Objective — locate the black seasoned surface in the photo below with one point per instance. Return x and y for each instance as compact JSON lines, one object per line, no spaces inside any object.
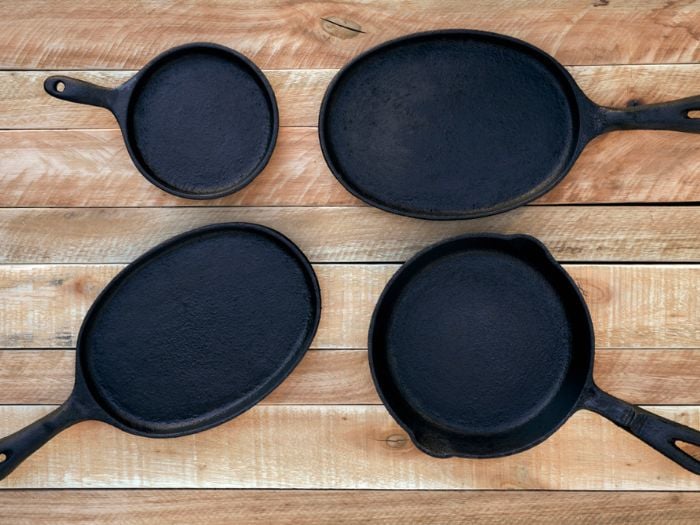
{"x":448,"y":124}
{"x":472,"y":343}
{"x":200,"y":120}
{"x":191,"y":334}
{"x":457,"y":124}
{"x":199,"y":331}
{"x":482,"y":346}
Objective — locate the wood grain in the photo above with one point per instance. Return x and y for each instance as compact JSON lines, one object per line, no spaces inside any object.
{"x":652,"y":377}
{"x":92,"y":168}
{"x":632,"y":306}
{"x":285,"y":34}
{"x":73,"y":210}
{"x":289,"y":507}
{"x":572,"y":233}
{"x":339,"y":447}
{"x":25,"y":105}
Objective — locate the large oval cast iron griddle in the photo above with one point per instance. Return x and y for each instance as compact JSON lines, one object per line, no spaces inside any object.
{"x":199,"y":121}
{"x":189,"y":335}
{"x":459,"y":124}
{"x":482,"y":346}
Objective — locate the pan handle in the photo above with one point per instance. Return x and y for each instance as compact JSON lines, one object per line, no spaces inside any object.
{"x":79,"y":91}
{"x":17,"y":447}
{"x":673,"y":116}
{"x":656,"y":431}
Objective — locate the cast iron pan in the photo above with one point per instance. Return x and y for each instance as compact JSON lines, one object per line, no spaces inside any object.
{"x":459,"y":124}
{"x":191,"y":334}
{"x":199,"y":121}
{"x":482,"y":346}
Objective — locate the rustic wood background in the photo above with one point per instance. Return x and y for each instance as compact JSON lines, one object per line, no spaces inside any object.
{"x":73,"y":211}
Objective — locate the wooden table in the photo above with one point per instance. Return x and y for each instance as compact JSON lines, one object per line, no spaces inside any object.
{"x":73,"y":211}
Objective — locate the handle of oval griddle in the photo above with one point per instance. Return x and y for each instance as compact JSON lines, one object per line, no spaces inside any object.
{"x":79,"y":91}
{"x":673,"y":116}
{"x":656,"y":431}
{"x":17,"y":447}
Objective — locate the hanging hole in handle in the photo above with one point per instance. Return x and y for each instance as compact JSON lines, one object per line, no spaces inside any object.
{"x":3,"y":457}
{"x":692,"y":450}
{"x":59,"y":86}
{"x":694,"y":113}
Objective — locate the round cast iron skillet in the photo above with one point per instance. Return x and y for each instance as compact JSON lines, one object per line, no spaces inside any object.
{"x":191,"y":334}
{"x":482,"y":346}
{"x":199,"y":121}
{"x":459,"y":124}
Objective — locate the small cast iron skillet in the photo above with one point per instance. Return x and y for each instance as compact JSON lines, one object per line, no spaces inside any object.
{"x":199,"y":121}
{"x":191,"y":334}
{"x":482,"y":346}
{"x":458,"y":124}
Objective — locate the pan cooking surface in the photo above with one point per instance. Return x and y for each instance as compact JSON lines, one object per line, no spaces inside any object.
{"x":482,"y":346}
{"x":201,"y":122}
{"x":448,"y":124}
{"x":475,"y":341}
{"x":199,"y":332}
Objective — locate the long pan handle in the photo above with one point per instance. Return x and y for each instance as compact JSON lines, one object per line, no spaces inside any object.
{"x":673,"y":116}
{"x":656,"y":431}
{"x":79,"y":91}
{"x":17,"y":447}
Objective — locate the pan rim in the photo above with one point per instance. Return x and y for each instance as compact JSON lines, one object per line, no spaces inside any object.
{"x":84,"y":389}
{"x":136,"y":83}
{"x":577,"y":104}
{"x":408,"y":266}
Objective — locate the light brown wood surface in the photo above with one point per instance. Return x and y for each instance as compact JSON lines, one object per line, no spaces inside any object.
{"x":341,"y":377}
{"x":666,"y":234}
{"x":63,"y":168}
{"x":288,"y":507}
{"x":74,"y":210}
{"x":101,"y":34}
{"x":47,"y":165}
{"x":24,"y":105}
{"x":632,"y":306}
{"x":341,"y":447}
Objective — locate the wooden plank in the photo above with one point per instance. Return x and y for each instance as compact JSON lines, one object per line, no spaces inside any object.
{"x":287,"y":507}
{"x":572,"y":233}
{"x":659,"y":307}
{"x":652,"y":377}
{"x":92,"y":168}
{"x":25,"y":105}
{"x":667,"y":376}
{"x":322,"y":378}
{"x":631,"y":305}
{"x":285,"y":34}
{"x":341,"y":447}
{"x":38,"y":377}
{"x":634,"y":167}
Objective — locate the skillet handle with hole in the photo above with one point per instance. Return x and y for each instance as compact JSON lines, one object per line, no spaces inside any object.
{"x":656,"y":431}
{"x":673,"y":116}
{"x":17,"y":447}
{"x":79,"y":91}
